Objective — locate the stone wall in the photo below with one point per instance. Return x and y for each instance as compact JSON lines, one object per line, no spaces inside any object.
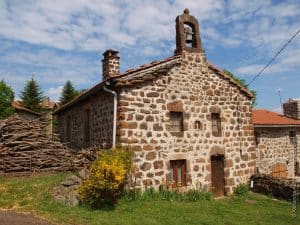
{"x":198,"y":90}
{"x":100,"y":131}
{"x":275,"y":147}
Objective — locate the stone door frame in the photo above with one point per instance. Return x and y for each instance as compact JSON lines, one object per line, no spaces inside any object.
{"x":217,"y":151}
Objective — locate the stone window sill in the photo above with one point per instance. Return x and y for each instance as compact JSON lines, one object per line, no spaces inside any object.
{"x":177,"y":134}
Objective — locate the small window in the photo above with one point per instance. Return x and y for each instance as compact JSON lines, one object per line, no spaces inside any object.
{"x":257,"y":138}
{"x":176,"y":122}
{"x":198,"y":125}
{"x":216,"y":124}
{"x":293,"y":138}
{"x":87,"y":126}
{"x":178,"y":172}
{"x":68,"y":129}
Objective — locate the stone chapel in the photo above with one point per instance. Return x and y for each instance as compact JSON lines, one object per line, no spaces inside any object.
{"x":187,"y":122}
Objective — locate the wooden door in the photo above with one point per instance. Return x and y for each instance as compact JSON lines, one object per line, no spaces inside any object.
{"x":217,"y":175}
{"x":279,"y":170}
{"x":178,"y":173}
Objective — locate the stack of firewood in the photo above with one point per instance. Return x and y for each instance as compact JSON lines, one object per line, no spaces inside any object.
{"x":25,"y":147}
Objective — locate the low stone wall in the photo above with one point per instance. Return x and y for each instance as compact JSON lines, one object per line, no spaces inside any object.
{"x":279,"y":188}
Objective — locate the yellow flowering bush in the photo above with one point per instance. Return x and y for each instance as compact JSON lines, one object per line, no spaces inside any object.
{"x":107,"y":177}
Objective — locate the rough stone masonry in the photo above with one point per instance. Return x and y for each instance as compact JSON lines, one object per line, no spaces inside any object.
{"x":178,"y":114}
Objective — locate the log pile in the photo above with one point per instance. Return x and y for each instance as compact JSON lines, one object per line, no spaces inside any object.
{"x":25,"y":147}
{"x":278,"y":188}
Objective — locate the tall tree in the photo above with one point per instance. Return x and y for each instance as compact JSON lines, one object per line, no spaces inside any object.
{"x":68,"y":93}
{"x":6,"y":99}
{"x":32,"y":95}
{"x":243,"y":83}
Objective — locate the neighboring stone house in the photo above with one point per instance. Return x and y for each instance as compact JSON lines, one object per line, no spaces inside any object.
{"x":25,"y":112}
{"x":277,"y":140}
{"x":48,"y":107}
{"x":187,"y":122}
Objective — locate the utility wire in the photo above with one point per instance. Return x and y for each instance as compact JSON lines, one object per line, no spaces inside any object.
{"x":277,"y":54}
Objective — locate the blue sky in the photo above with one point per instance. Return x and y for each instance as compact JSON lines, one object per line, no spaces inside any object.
{"x":59,"y":40}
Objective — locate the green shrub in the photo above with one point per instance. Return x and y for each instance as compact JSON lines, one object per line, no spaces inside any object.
{"x":242,"y":190}
{"x":107,"y":177}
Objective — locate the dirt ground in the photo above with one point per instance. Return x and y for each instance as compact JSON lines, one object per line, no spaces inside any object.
{"x":13,"y":218}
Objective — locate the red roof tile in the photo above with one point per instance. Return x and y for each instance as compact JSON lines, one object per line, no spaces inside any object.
{"x":18,"y":105}
{"x":265,"y":117}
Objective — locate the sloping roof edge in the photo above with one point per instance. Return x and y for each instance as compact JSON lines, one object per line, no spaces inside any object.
{"x":241,"y":87}
{"x":80,"y":97}
{"x":139,"y":69}
{"x":16,"y":105}
{"x":98,"y":86}
{"x":267,"y":118}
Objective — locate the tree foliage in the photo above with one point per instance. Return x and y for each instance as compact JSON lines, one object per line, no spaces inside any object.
{"x":32,"y":95}
{"x":243,"y":83}
{"x":6,"y":99}
{"x":68,"y":93}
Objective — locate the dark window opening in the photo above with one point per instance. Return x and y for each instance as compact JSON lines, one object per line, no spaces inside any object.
{"x":198,"y":125}
{"x":68,"y":129}
{"x":87,"y":126}
{"x":297,"y":169}
{"x":189,"y":35}
{"x":176,"y":122}
{"x":178,"y":172}
{"x":257,"y":138}
{"x":216,"y":124}
{"x":293,"y":138}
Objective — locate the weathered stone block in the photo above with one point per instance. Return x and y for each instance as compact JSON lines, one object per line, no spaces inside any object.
{"x":145,"y":166}
{"x":158,"y":164}
{"x":151,"y":155}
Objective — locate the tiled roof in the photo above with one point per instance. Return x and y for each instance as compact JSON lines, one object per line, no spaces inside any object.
{"x":269,"y":118}
{"x":142,"y":68}
{"x":48,"y":104}
{"x":149,"y":65}
{"x":80,"y":97}
{"x":18,"y":105}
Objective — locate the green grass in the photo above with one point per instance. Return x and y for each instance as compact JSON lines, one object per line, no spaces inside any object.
{"x":34,"y":194}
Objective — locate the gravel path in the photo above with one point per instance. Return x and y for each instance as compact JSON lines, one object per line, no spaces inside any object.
{"x":12,"y":218}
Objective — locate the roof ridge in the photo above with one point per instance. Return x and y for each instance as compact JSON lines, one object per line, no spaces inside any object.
{"x":148,"y":65}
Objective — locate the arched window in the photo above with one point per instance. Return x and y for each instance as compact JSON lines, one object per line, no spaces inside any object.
{"x":198,"y":125}
{"x":189,"y":35}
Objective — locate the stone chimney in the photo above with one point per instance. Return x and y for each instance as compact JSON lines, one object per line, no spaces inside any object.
{"x":292,"y":108}
{"x":111,"y":64}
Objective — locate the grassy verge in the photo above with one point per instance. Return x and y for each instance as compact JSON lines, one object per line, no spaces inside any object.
{"x":34,"y":194}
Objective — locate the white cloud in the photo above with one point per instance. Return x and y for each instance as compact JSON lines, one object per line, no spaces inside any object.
{"x":54,"y":92}
{"x":85,"y":24}
{"x":142,"y":31}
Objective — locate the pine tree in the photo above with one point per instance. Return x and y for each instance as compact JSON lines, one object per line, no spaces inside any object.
{"x":68,"y":93}
{"x":6,"y":99}
{"x":32,"y":95}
